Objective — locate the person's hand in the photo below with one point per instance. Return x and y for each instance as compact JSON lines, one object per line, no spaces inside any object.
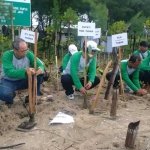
{"x":83,"y":90}
{"x":31,"y":70}
{"x":141,"y":92}
{"x":39,"y":71}
{"x":88,"y":85}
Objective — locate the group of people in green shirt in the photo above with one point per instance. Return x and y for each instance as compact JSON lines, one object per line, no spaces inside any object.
{"x":134,"y":71}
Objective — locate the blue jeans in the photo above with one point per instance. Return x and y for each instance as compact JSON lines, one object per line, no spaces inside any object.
{"x":8,"y":88}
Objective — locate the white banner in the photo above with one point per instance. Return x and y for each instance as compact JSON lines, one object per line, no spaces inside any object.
{"x":86,"y":29}
{"x":28,"y":36}
{"x":119,"y":40}
{"x":97,"y":33}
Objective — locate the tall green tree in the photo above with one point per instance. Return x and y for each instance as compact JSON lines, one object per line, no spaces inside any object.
{"x":69,"y":19}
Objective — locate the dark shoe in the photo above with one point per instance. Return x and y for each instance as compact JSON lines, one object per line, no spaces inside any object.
{"x":27,"y":99}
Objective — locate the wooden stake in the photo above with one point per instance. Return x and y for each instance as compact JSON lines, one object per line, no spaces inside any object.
{"x":30,"y":91}
{"x":35,"y":76}
{"x":99,"y":88}
{"x":131,"y":134}
{"x":113,"y":110}
{"x":56,"y":60}
{"x":85,"y":72}
{"x":57,"y":73}
{"x":119,"y":53}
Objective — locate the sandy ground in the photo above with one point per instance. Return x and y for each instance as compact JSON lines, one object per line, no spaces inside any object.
{"x":89,"y":131}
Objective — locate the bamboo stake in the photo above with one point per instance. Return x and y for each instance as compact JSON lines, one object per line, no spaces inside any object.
{"x":30,"y":91}
{"x":56,"y":61}
{"x":121,"y":84}
{"x":35,"y":76}
{"x":99,"y":88}
{"x":121,"y":90}
{"x":57,"y":73}
{"x":85,"y":72}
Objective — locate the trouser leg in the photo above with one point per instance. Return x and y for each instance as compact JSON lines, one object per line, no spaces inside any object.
{"x":143,"y":76}
{"x":117,"y":78}
{"x":67,"y":83}
{"x":7,"y":89}
{"x":23,"y":84}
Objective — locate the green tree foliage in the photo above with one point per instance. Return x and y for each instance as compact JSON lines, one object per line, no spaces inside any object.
{"x":98,"y":13}
{"x":147,"y":24}
{"x":69,"y":18}
{"x":118,"y":27}
{"x":137,"y":24}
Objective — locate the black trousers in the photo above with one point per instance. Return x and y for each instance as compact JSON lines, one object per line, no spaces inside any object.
{"x":117,"y":78}
{"x":67,"y":83}
{"x":144,"y":76}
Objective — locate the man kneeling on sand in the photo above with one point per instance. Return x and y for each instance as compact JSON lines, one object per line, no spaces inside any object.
{"x":130,"y":75}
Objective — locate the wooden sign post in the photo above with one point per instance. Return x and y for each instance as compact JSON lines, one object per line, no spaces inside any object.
{"x":85,"y":29}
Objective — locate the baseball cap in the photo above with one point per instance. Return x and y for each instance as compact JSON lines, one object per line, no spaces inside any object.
{"x":72,"y":49}
{"x":144,"y":44}
{"x":93,"y":45}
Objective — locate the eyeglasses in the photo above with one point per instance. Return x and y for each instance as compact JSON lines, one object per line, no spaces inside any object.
{"x":93,"y":51}
{"x":24,"y":51}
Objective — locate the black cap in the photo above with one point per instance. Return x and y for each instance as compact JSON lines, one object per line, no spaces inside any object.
{"x":144,"y":44}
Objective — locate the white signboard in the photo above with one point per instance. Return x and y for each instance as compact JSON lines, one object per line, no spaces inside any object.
{"x":28,"y":36}
{"x":119,"y":40}
{"x":86,"y":29}
{"x":97,"y":33}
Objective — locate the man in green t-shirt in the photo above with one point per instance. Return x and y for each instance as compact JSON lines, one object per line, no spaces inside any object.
{"x":143,"y":51}
{"x":145,"y":72}
{"x":74,"y":72}
{"x":130,"y":74}
{"x":15,"y":64}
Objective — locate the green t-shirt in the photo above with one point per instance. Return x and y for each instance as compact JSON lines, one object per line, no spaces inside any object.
{"x":126,"y":71}
{"x":14,"y":68}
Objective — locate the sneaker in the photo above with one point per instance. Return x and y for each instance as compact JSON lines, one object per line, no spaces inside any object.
{"x":71,"y":96}
{"x":78,"y":93}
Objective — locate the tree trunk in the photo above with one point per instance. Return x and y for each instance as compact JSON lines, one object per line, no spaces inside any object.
{"x":111,"y":81}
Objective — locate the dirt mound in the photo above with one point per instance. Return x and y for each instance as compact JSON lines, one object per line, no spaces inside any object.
{"x":8,"y":120}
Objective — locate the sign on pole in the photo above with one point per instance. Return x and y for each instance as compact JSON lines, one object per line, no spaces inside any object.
{"x":28,"y":36}
{"x":86,"y":29}
{"x":21,"y":13}
{"x":97,"y":33}
{"x":119,"y":40}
